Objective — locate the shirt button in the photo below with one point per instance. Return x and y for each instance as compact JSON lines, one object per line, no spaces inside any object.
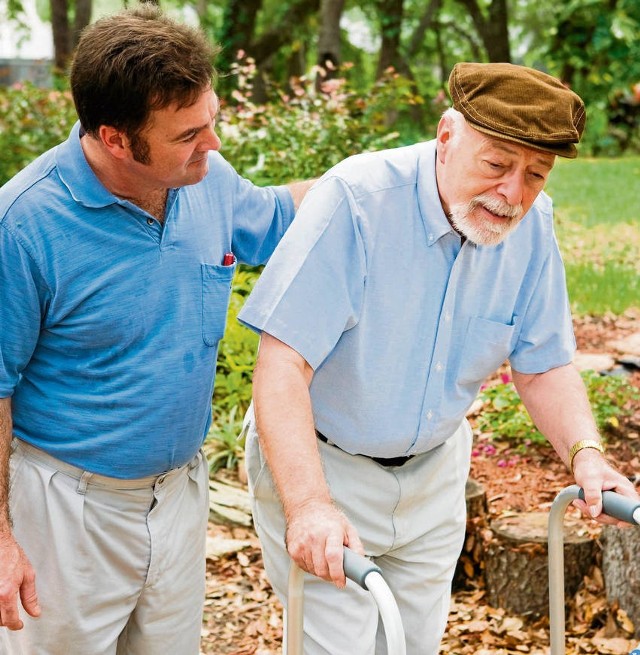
{"x":149,"y":221}
{"x":447,"y":316}
{"x":439,"y":366}
{"x":429,"y":414}
{"x":431,"y":238}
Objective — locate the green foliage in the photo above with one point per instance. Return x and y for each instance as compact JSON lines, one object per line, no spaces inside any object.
{"x":232,"y":395}
{"x":504,"y":416}
{"x":594,"y":46}
{"x":224,"y":444}
{"x":303,"y":133}
{"x":236,"y":355}
{"x":32,"y":120}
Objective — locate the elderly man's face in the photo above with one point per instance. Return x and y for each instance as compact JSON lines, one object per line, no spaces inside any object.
{"x":486,"y":184}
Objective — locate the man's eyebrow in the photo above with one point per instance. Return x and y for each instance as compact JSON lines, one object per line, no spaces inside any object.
{"x":545,"y":160}
{"x":188,"y":132}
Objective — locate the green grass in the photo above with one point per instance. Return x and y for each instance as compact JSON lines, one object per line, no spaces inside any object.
{"x":597,"y":208}
{"x":597,"y":191}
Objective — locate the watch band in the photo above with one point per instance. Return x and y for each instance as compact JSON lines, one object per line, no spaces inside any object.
{"x":581,"y":445}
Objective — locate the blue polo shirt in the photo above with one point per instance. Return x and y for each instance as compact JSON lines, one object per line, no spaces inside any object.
{"x":110,"y":321}
{"x":399,"y":320}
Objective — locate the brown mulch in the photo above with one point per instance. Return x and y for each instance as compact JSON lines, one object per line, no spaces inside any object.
{"x":242,"y":616}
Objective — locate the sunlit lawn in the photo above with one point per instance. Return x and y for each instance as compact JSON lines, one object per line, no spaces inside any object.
{"x":597,"y":206}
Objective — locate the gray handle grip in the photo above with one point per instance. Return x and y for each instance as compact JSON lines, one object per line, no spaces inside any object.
{"x":616,"y":505}
{"x":357,"y":568}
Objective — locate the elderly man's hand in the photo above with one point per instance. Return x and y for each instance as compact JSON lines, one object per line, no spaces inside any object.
{"x":594,"y":474}
{"x":316,"y":535}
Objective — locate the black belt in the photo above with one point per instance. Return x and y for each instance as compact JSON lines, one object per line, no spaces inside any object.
{"x":383,"y":461}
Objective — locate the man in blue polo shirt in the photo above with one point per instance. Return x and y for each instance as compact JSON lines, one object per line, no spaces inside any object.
{"x":117,"y":250}
{"x":411,"y":276}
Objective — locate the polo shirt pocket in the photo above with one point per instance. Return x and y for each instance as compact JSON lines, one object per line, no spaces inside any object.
{"x":486,"y":346}
{"x":216,"y":290}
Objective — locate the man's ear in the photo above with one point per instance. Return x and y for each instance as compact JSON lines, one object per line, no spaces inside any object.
{"x":443,"y":136}
{"x":115,"y":141}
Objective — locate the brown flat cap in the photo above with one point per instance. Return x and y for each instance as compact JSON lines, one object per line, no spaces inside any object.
{"x":519,"y":104}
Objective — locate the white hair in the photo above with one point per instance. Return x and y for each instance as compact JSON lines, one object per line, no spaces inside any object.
{"x":459,"y":124}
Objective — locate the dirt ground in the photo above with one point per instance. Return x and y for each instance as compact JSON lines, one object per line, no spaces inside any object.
{"x":242,"y":616}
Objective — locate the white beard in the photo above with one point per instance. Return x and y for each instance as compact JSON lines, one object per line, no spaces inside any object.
{"x":485,"y":232}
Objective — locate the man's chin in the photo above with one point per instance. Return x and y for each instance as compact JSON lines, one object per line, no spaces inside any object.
{"x":490,"y":235}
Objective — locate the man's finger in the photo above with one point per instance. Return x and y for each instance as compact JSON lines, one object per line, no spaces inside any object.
{"x":9,"y":616}
{"x":334,"y":557}
{"x":29,"y":597}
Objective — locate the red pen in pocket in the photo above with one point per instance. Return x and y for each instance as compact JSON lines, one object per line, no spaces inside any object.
{"x":228,"y":259}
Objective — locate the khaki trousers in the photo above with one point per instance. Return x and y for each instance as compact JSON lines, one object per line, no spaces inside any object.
{"x":411,"y":520}
{"x":120,"y":564}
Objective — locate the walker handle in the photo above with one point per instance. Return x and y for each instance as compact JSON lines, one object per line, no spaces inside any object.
{"x":357,"y":567}
{"x":618,"y":506}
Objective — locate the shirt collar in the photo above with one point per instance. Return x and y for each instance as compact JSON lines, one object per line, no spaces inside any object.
{"x":435,"y":221}
{"x":77,"y":175}
{"x":83,"y":184}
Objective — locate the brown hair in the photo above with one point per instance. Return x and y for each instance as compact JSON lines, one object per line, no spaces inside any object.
{"x":136,"y":61}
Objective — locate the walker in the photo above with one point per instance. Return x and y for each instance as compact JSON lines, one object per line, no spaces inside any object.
{"x":613,"y":504}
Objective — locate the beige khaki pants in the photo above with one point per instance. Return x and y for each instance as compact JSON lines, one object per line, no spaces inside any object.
{"x":120,"y":564}
{"x":411,"y":520}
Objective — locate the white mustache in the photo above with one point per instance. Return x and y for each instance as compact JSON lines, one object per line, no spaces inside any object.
{"x":495,"y":206}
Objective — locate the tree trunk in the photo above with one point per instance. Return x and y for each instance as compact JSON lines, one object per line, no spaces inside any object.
{"x":329,"y":39}
{"x":427,"y":21}
{"x":516,"y":564}
{"x":390,"y":14}
{"x":279,"y":34}
{"x":61,"y":34}
{"x":236,"y":33}
{"x":471,"y":561}
{"x":492,"y":28}
{"x":82,"y":19}
{"x":621,"y":570}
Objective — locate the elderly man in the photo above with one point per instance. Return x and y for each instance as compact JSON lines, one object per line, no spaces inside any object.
{"x":414,"y":274}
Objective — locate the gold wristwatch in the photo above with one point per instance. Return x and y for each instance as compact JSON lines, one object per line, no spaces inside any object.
{"x":581,"y":445}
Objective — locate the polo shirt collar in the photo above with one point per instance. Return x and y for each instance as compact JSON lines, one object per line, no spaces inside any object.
{"x":435,"y":221}
{"x":77,"y":175}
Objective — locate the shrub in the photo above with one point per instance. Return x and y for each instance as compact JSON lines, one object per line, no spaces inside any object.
{"x":32,"y":120}
{"x":234,"y":372}
{"x":503,"y":415}
{"x":303,"y":133}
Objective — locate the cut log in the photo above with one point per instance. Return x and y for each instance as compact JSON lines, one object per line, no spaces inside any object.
{"x":621,"y":570}
{"x":516,"y":562}
{"x":229,"y":504}
{"x":471,"y":561}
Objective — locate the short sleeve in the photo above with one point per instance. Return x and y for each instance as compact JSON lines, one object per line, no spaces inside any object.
{"x":312,"y":289}
{"x":546,"y":339}
{"x":22,"y":295}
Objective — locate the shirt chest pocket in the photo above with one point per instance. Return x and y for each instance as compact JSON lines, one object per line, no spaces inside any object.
{"x":216,"y":290}
{"x":487,"y":345}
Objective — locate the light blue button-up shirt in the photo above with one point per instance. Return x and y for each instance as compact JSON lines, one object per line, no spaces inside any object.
{"x":110,"y":321}
{"x":400,"y":321}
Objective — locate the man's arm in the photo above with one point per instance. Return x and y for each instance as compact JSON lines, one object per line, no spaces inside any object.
{"x":316,"y":528}
{"x":298,"y":190}
{"x":558,"y":404}
{"x":16,"y":574}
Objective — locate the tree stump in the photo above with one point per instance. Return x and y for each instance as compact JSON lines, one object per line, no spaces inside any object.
{"x":471,"y":561}
{"x":516,"y":563}
{"x":621,"y":570}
